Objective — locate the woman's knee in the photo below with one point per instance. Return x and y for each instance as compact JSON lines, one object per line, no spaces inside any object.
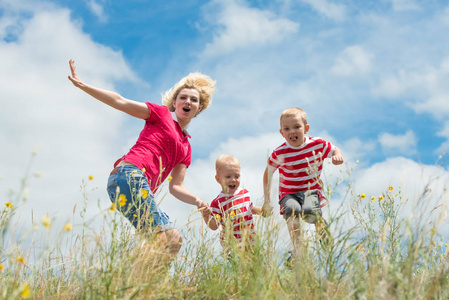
{"x":174,"y":241}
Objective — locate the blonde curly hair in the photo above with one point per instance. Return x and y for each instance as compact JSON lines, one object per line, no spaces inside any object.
{"x":198,"y":81}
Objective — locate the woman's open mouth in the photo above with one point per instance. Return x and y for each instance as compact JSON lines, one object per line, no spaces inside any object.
{"x":186,"y":109}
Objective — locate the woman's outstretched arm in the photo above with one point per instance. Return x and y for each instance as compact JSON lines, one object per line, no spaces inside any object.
{"x":134,"y":108}
{"x":177,"y":189}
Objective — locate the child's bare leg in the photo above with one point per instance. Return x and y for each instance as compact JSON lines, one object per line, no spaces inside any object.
{"x":322,"y":231}
{"x":294,"y":228}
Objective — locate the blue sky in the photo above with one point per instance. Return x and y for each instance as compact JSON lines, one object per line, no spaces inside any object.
{"x":372,"y":76}
{"x":166,"y":39}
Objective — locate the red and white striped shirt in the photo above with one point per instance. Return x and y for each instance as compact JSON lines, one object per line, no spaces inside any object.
{"x":236,"y":209}
{"x":300,"y":167}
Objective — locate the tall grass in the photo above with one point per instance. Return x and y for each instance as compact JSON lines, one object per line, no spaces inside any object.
{"x":376,"y":252}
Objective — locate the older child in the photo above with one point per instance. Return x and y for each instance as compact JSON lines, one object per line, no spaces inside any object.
{"x":232,"y":208}
{"x":300,"y":162}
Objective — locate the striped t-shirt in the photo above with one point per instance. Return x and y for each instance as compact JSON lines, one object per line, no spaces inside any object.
{"x":300,"y":167}
{"x":234,"y":210}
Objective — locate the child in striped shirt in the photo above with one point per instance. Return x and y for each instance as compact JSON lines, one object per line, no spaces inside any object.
{"x":232,"y":208}
{"x":300,"y":162}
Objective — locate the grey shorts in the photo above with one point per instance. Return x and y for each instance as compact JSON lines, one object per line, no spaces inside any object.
{"x":302,"y":204}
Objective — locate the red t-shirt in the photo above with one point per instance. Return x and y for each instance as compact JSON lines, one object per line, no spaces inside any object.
{"x":160,"y":147}
{"x":300,"y":167}
{"x":237,"y":207}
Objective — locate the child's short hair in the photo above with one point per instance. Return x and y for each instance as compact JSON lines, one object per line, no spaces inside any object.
{"x":198,"y":81}
{"x":294,"y":111}
{"x":224,"y":160}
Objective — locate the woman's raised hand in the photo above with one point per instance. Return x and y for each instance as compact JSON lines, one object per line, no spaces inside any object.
{"x":74,"y":78}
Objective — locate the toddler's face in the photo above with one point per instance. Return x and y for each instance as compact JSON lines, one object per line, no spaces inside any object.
{"x":228,"y":177}
{"x":294,"y":130}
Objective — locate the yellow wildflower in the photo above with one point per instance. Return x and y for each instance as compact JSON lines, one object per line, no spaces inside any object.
{"x":46,"y":221}
{"x":381,"y":197}
{"x":373,"y":198}
{"x":169,"y":178}
{"x":445,"y":245}
{"x":390,"y":188}
{"x":143,"y":193}
{"x":432,"y":229}
{"x":91,"y":177}
{"x":9,"y":205}
{"x":362,"y":196}
{"x":217,"y":218}
{"x":151,"y":220}
{"x":122,"y":200}
{"x":112,"y":208}
{"x":135,"y":216}
{"x":68,"y":227}
{"x":1,"y":267}
{"x":20,"y":259}
{"x":232,"y":214}
{"x":26,"y":292}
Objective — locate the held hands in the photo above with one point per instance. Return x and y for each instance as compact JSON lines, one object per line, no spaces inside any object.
{"x":74,"y":78}
{"x":203,"y":207}
{"x":337,"y":159}
{"x":267,"y":209}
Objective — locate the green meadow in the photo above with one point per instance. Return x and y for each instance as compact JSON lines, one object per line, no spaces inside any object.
{"x":380,"y":249}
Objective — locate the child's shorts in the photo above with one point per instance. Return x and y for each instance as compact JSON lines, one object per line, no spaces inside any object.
{"x":302,"y":204}
{"x":128,"y":189}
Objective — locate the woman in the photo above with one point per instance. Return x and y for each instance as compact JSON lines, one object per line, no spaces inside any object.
{"x":162,"y":148}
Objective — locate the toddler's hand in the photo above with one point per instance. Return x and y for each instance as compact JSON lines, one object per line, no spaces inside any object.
{"x":206,"y":212}
{"x":203,"y":207}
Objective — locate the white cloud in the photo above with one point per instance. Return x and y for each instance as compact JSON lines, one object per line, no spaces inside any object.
{"x":404,"y":144}
{"x":444,"y":17}
{"x":403,"y":5}
{"x":77,"y":135}
{"x":443,"y":149}
{"x":424,"y":187}
{"x":330,"y":10}
{"x":355,"y":149}
{"x":353,"y":60}
{"x":424,"y":90}
{"x":97,"y":9}
{"x":242,"y":27}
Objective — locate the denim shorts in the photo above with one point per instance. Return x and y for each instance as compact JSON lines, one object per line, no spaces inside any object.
{"x":305,"y":204}
{"x":128,"y":189}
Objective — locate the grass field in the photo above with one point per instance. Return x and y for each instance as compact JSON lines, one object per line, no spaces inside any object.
{"x":375,"y":253}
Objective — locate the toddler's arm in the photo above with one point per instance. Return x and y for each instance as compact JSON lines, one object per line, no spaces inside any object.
{"x":256,"y":210}
{"x":209,"y":219}
{"x":337,"y":158}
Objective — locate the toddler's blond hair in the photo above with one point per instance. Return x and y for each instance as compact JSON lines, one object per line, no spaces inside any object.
{"x":223,"y":160}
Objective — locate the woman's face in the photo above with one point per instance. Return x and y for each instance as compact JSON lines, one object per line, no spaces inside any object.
{"x":187,"y":104}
